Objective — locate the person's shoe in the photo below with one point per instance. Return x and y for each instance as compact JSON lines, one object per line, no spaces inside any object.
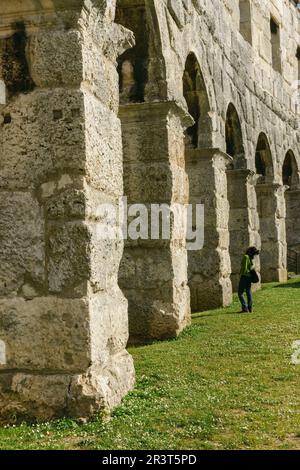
{"x":250,"y":310}
{"x":245,"y":310}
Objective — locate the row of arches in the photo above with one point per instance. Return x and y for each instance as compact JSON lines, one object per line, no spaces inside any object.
{"x":160,"y":157}
{"x":265,"y":186}
{"x":199,"y":135}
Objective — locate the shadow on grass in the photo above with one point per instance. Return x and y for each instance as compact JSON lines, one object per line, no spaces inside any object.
{"x":291,"y":285}
{"x":214,"y":314}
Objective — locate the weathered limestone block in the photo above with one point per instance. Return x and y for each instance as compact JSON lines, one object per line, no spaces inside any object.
{"x":63,"y":318}
{"x":103,"y":126}
{"x":209,"y":268}
{"x":22,"y":246}
{"x":45,"y":334}
{"x":56,"y":58}
{"x":68,"y":258}
{"x":40,"y":397}
{"x":153,"y":273}
{"x":49,"y":117}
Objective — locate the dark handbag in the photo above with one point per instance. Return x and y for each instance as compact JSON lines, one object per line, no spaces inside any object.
{"x":254,"y":277}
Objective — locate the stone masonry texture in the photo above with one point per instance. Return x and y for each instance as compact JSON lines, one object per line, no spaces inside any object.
{"x":165,"y":102}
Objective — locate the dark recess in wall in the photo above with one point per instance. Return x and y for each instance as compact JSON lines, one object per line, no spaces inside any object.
{"x":14,"y":64}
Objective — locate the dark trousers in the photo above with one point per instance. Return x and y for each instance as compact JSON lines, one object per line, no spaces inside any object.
{"x":245,"y":286}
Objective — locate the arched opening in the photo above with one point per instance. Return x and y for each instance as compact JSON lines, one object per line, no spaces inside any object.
{"x":237,"y":177}
{"x":133,"y":64}
{"x":290,"y":172}
{"x":267,"y":205}
{"x":208,"y":276}
{"x":263,"y":160}
{"x":157,"y":294}
{"x":195,"y":94}
{"x":290,"y":178}
{"x":234,"y":138}
{"x":190,"y":80}
{"x":203,"y":268}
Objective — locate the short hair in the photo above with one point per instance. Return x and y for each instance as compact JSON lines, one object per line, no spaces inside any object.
{"x":252,"y":251}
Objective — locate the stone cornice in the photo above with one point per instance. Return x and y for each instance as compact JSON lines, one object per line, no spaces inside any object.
{"x":272,"y":186}
{"x":14,"y":9}
{"x":207,"y":155}
{"x":139,"y":112}
{"x":43,"y":13}
{"x":34,"y":14}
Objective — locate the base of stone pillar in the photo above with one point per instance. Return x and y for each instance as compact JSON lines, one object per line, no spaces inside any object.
{"x":256,"y":287}
{"x":275,"y":275}
{"x":26,"y":396}
{"x":63,"y":356}
{"x":235,"y":280}
{"x":157,"y":318}
{"x":210,"y":294}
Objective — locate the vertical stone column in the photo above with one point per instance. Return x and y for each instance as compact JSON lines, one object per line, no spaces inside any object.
{"x":272,"y":212}
{"x":254,"y":236}
{"x":254,"y":225}
{"x":153,"y":273}
{"x":293,"y":218}
{"x":239,"y":193}
{"x":63,"y":318}
{"x":209,"y":268}
{"x":293,"y":228}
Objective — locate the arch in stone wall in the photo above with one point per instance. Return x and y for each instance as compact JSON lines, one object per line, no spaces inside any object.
{"x":263,"y":159}
{"x":270,"y":211}
{"x":153,"y":137}
{"x":203,"y":269}
{"x":141,"y":68}
{"x":196,"y":97}
{"x":234,"y":138}
{"x":237,"y":178}
{"x":290,"y":178}
{"x":290,"y":170}
{"x":133,"y":63}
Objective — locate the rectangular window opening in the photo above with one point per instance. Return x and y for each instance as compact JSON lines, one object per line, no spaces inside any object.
{"x":245,"y":20}
{"x":275,"y":42}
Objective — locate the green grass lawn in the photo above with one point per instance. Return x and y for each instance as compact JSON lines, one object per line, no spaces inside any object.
{"x":226,"y":383}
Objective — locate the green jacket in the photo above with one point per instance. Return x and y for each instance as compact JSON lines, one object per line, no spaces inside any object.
{"x":247,"y":266}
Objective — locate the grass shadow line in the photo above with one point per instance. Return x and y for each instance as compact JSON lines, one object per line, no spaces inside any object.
{"x":290,"y":285}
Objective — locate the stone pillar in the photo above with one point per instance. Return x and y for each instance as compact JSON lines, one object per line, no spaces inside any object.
{"x":293,"y":227}
{"x":254,"y":236}
{"x":293,"y":218}
{"x":153,"y":273}
{"x":63,"y":318}
{"x":209,"y":268}
{"x":254,"y":233}
{"x":272,"y":212}
{"x":239,"y":195}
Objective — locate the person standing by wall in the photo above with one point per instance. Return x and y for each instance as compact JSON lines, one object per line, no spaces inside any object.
{"x":248,"y":276}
